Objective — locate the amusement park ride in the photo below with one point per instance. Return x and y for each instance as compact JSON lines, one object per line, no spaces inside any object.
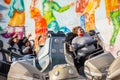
{"x":55,"y":62}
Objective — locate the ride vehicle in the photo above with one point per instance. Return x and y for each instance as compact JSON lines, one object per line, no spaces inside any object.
{"x":99,"y":64}
{"x":17,"y":70}
{"x":52,"y":53}
{"x":49,"y":55}
{"x":93,"y":69}
{"x":62,"y":71}
{"x":103,"y":67}
{"x":77,"y":60}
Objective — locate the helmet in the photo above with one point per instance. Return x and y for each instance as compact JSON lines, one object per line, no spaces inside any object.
{"x":64,"y":72}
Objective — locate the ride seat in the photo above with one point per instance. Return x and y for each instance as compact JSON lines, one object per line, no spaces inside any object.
{"x":114,"y":70}
{"x":69,"y":56}
{"x":95,"y":68}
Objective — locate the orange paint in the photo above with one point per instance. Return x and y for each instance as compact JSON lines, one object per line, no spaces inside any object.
{"x":40,"y":22}
{"x":81,"y":5}
{"x":90,"y":23}
{"x":111,"y":5}
{"x":90,"y":14}
{"x":7,"y":1}
{"x":40,"y":25}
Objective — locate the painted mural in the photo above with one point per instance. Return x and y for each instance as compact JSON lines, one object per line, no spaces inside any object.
{"x":86,"y":10}
{"x":37,"y":17}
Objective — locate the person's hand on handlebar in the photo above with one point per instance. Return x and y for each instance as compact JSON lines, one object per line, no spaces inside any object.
{"x":71,"y":48}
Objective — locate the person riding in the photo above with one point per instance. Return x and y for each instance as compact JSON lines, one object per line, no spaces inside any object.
{"x":80,"y":55}
{"x":81,"y":39}
{"x":14,"y":44}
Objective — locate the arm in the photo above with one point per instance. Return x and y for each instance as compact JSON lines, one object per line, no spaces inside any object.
{"x":12,"y":9}
{"x":25,"y":49}
{"x":61,"y":9}
{"x":19,"y":5}
{"x":74,"y":43}
{"x":29,"y":36}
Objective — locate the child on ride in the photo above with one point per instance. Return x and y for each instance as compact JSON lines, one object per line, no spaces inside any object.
{"x":27,"y":48}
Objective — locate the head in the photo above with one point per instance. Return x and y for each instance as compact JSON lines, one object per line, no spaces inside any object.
{"x":15,"y":39}
{"x":27,"y":43}
{"x":78,"y":30}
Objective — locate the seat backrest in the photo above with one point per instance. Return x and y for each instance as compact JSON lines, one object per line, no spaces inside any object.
{"x":114,"y":70}
{"x":96,"y":66}
{"x":68,"y":55}
{"x":4,"y":68}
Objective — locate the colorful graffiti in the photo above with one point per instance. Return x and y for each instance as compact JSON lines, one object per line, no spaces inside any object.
{"x":113,"y":15}
{"x":48,"y":7}
{"x":7,"y":1}
{"x":17,"y":19}
{"x":80,"y":8}
{"x":40,"y":22}
{"x":40,"y":16}
{"x":86,"y":10}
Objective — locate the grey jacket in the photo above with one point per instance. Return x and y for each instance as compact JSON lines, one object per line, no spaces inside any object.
{"x":78,"y":41}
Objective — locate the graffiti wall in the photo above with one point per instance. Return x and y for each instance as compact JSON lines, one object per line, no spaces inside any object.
{"x":39,"y":16}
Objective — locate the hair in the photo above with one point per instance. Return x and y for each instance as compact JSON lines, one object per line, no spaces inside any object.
{"x":75,"y":29}
{"x":25,"y":40}
{"x":11,"y":42}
